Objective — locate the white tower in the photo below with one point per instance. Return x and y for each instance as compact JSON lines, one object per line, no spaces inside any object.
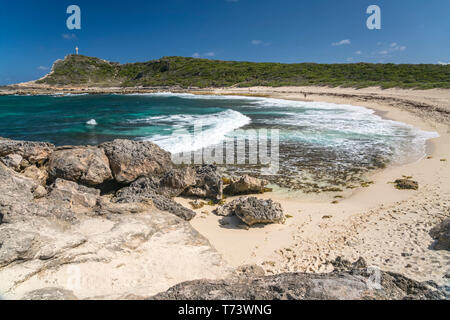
{"x":76,"y":49}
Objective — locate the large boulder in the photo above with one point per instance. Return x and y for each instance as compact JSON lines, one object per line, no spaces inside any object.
{"x":208,"y":184}
{"x":441,"y":233}
{"x":145,"y":189}
{"x":33,"y":152}
{"x":176,"y":181}
{"x":253,"y":211}
{"x":352,"y":284}
{"x":85,"y":165}
{"x":131,"y":160}
{"x":246,"y":185}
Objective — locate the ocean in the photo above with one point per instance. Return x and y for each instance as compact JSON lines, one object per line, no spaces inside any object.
{"x":320,"y":144}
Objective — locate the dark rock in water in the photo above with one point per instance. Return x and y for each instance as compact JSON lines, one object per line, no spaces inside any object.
{"x":406,"y":184}
{"x":208,"y":183}
{"x":33,"y":152}
{"x":246,"y":185}
{"x":131,"y":160}
{"x":54,"y":294}
{"x":441,"y":233}
{"x":352,"y":283}
{"x":253,"y":211}
{"x":145,"y":189}
{"x":88,"y":166}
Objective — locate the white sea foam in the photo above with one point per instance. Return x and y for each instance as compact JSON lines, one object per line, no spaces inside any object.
{"x":215,"y":128}
{"x":327,"y":124}
{"x":92,"y":122}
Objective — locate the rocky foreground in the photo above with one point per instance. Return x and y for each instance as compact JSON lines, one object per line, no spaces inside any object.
{"x":99,"y":222}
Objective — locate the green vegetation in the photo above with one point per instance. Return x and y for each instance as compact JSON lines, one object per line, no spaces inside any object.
{"x":201,"y":73}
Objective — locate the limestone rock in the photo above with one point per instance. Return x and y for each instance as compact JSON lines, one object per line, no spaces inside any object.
{"x":12,"y":161}
{"x":33,"y":152}
{"x":246,"y":185}
{"x":52,"y":294}
{"x":38,"y":175}
{"x":253,"y":211}
{"x":209,"y":183}
{"x":85,"y":165}
{"x":127,"y":255}
{"x":176,"y":181}
{"x":143,"y":189}
{"x":131,"y":160}
{"x":354,"y":284}
{"x":441,"y":233}
{"x":16,"y":193}
{"x":73,"y":193}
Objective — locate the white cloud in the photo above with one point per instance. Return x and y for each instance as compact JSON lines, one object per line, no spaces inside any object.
{"x":393,"y":47}
{"x":342,"y":42}
{"x":359,"y":52}
{"x":444,"y":63}
{"x":206,"y":54}
{"x":69,"y":36}
{"x":260,"y":43}
{"x":43,"y":68}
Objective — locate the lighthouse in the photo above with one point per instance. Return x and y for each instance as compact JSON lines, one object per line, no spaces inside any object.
{"x":76,"y":50}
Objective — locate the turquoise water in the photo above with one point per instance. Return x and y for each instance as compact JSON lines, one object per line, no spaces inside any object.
{"x":313,"y":136}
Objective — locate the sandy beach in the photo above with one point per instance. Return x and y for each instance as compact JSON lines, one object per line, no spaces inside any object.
{"x":387,"y":227}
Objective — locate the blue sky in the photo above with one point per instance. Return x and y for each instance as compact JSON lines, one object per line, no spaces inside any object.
{"x":33,"y":34}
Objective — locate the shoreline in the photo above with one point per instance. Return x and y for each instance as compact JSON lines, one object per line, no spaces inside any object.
{"x":387,"y":227}
{"x":311,"y":239}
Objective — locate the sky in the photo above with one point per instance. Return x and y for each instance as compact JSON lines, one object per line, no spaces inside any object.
{"x":33,"y":34}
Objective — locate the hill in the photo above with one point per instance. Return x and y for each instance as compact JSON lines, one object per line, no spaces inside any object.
{"x":81,"y":70}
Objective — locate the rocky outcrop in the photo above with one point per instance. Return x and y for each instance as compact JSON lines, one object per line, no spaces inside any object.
{"x":246,"y":185}
{"x":51,"y":294}
{"x":38,"y":175}
{"x":176,"y":181}
{"x":208,"y":183}
{"x":145,"y":189}
{"x":356,"y":283}
{"x":12,"y":161}
{"x":16,"y":194}
{"x":104,"y":256}
{"x":253,"y":211}
{"x":131,"y":160}
{"x":85,"y":165}
{"x":441,"y":233}
{"x":74,"y":194}
{"x":32,"y":152}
